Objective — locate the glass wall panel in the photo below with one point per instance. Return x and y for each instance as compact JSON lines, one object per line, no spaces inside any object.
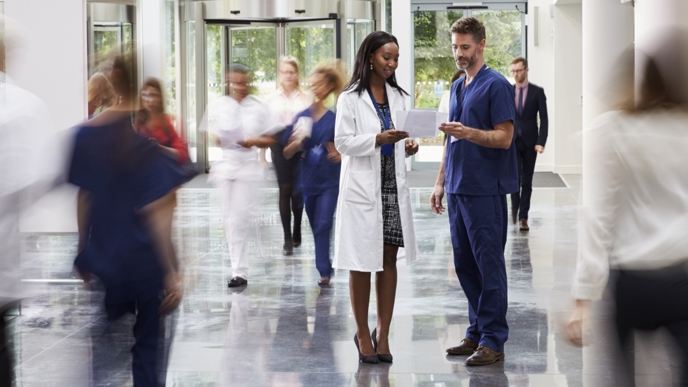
{"x":190,"y":113}
{"x":503,"y":30}
{"x":215,"y":78}
{"x":433,"y":59}
{"x":357,"y":30}
{"x":256,"y":47}
{"x":170,"y":76}
{"x":310,"y":43}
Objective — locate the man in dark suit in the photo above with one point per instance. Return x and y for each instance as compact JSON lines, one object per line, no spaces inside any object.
{"x":530,"y":101}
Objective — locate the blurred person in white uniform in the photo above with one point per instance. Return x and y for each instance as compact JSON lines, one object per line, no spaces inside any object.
{"x":241,"y":124}
{"x":633,"y":220}
{"x":29,"y":155}
{"x":285,"y":103}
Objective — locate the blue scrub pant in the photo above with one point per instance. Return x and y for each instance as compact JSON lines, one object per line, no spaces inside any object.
{"x":478,"y":227}
{"x":320,"y":210}
{"x":143,"y":299}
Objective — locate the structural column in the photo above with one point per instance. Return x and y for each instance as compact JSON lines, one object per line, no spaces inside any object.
{"x":608,"y":31}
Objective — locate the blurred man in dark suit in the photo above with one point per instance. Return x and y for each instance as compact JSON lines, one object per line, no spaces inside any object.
{"x":530,"y":101}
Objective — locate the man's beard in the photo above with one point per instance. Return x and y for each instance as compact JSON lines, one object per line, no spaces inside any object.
{"x":471,"y":61}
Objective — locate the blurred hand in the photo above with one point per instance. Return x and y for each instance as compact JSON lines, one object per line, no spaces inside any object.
{"x":390,"y":136}
{"x":174,"y":293}
{"x":246,"y":144}
{"x":84,"y":276}
{"x":332,"y":153}
{"x":574,"y":329}
{"x":436,"y":200}
{"x":454,"y":129}
{"x":539,"y":148}
{"x":411,"y":147}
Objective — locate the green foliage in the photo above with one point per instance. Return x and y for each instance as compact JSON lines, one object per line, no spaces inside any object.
{"x":310,"y":45}
{"x":434,"y":61}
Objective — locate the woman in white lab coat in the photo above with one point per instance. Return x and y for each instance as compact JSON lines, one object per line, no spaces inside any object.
{"x":374,"y":224}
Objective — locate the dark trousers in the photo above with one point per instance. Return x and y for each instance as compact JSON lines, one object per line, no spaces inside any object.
{"x":5,"y":355}
{"x":478,"y":226}
{"x":320,"y":210}
{"x":144,"y":299}
{"x":520,"y":201}
{"x":648,"y":300}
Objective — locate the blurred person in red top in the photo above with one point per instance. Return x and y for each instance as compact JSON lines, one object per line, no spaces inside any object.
{"x":153,"y":122}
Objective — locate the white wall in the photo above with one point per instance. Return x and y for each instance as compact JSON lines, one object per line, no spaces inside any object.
{"x":568,"y":88}
{"x":150,"y":19}
{"x":51,"y":64}
{"x":541,"y":64}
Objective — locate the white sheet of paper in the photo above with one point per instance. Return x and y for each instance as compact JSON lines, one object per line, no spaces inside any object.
{"x":420,"y":123}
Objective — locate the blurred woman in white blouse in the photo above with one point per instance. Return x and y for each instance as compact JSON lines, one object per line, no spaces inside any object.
{"x":285,"y":103}
{"x":634,"y":215}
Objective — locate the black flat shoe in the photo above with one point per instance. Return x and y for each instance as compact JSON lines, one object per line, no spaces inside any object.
{"x":297,"y":241}
{"x":324,"y":281}
{"x":385,"y":358}
{"x":236,"y":281}
{"x":372,"y":359}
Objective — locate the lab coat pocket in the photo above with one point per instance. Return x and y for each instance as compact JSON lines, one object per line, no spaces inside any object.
{"x":360,"y":188}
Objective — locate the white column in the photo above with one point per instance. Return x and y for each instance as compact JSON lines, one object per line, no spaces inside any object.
{"x":52,"y":60}
{"x":150,"y":18}
{"x":608,"y":30}
{"x":52,"y":64}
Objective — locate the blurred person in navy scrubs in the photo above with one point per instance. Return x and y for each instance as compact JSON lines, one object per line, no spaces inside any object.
{"x":477,"y":172}
{"x":125,"y":196}
{"x":633,"y":218}
{"x":321,"y":161}
{"x":30,"y":156}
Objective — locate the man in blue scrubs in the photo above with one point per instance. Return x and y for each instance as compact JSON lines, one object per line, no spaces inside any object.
{"x":478,"y":171}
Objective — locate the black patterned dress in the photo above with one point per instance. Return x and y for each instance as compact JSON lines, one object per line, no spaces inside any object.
{"x":391,"y":218}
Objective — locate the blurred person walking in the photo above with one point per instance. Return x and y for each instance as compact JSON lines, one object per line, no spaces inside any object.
{"x":241,"y":124}
{"x":531,"y":103}
{"x":32,"y":164}
{"x":477,"y":172}
{"x":100,"y":94}
{"x":125,"y":196}
{"x":285,"y":104}
{"x":374,"y":226}
{"x":633,"y":222}
{"x":153,"y":122}
{"x":321,"y":162}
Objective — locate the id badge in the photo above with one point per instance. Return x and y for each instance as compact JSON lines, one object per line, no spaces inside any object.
{"x":314,"y":154}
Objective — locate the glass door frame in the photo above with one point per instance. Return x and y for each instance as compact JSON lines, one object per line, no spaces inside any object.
{"x":468,"y":10}
{"x":202,"y":158}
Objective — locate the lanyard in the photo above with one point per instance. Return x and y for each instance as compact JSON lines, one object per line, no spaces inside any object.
{"x":387,"y":149}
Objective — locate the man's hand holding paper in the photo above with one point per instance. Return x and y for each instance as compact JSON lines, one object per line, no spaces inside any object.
{"x":420,"y":123}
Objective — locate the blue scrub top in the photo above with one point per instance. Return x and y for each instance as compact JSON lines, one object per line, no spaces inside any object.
{"x":318,"y":174}
{"x":123,"y":172}
{"x":471,"y":169}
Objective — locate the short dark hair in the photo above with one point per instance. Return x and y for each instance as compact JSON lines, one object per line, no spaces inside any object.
{"x":360,"y":79}
{"x":469,"y":25}
{"x":520,"y":59}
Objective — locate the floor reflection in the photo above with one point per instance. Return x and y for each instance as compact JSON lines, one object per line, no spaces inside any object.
{"x":284,"y":330}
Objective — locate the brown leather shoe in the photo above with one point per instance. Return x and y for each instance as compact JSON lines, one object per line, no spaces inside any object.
{"x":484,"y":356}
{"x":524,"y":225}
{"x":466,"y":347}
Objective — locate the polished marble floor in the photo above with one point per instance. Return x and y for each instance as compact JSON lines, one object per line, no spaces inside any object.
{"x":284,"y":330}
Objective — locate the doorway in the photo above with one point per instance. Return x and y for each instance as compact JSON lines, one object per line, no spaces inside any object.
{"x":219,"y":33}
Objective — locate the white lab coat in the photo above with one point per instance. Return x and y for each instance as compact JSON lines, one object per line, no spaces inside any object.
{"x":358,"y":231}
